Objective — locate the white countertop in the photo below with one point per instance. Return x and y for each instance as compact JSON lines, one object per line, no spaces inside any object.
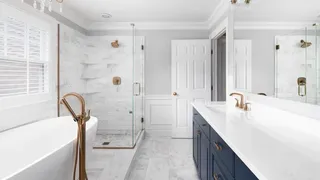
{"x":275,"y":145}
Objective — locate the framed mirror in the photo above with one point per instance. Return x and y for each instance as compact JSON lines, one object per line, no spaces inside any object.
{"x":277,"y":51}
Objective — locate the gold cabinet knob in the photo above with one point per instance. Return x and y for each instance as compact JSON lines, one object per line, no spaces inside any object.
{"x":218,"y":147}
{"x":175,"y":94}
{"x":215,"y":177}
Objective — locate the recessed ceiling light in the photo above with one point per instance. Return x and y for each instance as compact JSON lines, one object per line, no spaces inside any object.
{"x":106,"y":15}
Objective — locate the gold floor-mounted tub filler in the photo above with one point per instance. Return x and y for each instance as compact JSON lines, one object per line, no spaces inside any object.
{"x":81,"y":135}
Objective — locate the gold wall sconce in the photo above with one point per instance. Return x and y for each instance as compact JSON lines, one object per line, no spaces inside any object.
{"x":115,"y":44}
{"x":244,"y":1}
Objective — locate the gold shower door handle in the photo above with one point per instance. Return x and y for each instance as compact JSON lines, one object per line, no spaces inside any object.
{"x":175,"y":94}
{"x":137,"y":86}
{"x":302,"y":83}
{"x":299,"y":90}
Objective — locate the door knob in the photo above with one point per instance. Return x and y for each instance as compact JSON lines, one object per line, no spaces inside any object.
{"x":175,"y":93}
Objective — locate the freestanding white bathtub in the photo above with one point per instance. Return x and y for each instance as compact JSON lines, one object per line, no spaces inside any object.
{"x":44,"y":150}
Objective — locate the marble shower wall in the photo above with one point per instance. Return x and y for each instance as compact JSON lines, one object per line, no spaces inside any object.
{"x":72,"y":48}
{"x":292,"y":62}
{"x":111,"y":104}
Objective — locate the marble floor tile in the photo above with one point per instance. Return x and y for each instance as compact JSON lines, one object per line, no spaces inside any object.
{"x":158,"y":169}
{"x":163,"y":158}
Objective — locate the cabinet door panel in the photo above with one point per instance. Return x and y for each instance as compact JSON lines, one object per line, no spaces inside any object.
{"x":195,"y":143}
{"x":211,"y":165}
{"x":242,"y":172}
{"x":218,"y":172}
{"x":204,"y":157}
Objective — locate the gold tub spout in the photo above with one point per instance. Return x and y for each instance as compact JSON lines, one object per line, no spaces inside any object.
{"x":81,"y":120}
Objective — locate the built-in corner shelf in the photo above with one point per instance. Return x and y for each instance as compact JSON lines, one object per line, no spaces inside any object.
{"x":86,"y":63}
{"x":91,"y":93}
{"x":89,"y":78}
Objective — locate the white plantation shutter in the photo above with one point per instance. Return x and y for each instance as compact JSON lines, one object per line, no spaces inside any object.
{"x":24,"y":54}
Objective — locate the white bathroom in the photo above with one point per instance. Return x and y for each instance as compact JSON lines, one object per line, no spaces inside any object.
{"x":159,"y":90}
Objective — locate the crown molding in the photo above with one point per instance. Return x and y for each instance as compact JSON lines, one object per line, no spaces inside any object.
{"x":68,"y":13}
{"x":77,"y":18}
{"x":72,"y":15}
{"x":219,"y":13}
{"x":149,"y":26}
{"x":271,"y":25}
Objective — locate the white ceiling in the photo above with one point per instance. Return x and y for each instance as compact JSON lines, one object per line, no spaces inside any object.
{"x":145,"y":10}
{"x":279,"y":11}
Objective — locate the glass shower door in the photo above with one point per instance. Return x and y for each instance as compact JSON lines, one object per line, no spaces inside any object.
{"x":311,"y":65}
{"x":290,"y":65}
{"x":297,"y":65}
{"x":138,"y":87}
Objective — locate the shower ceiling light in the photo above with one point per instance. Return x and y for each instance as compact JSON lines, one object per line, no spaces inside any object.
{"x":106,"y":15}
{"x":44,"y":3}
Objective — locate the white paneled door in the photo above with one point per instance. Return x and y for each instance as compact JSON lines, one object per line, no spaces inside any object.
{"x":243,"y":69}
{"x":191,"y":82}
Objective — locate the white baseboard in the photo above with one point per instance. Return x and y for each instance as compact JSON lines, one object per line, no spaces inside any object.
{"x":158,"y":133}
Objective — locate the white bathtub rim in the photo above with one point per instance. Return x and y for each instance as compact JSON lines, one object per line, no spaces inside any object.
{"x":50,"y":153}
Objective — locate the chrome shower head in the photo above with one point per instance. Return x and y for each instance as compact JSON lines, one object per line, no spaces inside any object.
{"x":305,"y":44}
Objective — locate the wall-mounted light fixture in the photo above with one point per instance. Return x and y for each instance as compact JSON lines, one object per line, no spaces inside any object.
{"x":241,"y":2}
{"x":115,"y":44}
{"x":44,"y":3}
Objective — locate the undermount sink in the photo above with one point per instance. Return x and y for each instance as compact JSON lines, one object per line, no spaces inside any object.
{"x":217,"y":106}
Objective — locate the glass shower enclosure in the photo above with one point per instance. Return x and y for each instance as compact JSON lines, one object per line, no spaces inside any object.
{"x":108,"y":70}
{"x":298,"y":65}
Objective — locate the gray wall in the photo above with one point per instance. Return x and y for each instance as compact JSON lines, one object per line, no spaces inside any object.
{"x":263,"y":57}
{"x":158,"y":54}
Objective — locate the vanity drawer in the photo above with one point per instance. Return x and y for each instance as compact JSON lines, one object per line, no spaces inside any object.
{"x":219,"y":174}
{"x":223,"y":151}
{"x":202,"y":123}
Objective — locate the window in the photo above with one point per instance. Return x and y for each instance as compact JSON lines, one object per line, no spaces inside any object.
{"x":24,"y":54}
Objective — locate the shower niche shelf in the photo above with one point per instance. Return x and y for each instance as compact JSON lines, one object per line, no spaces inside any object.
{"x":91,"y":93}
{"x":91,"y":62}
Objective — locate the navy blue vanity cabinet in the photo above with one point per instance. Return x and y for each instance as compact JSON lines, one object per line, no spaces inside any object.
{"x":196,"y":145}
{"x":205,"y":153}
{"x":218,"y":173}
{"x":223,"y":152}
{"x":201,"y":145}
{"x":242,"y":171}
{"x":214,"y":159}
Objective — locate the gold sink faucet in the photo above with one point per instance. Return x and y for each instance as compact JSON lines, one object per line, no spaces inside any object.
{"x":242,"y":104}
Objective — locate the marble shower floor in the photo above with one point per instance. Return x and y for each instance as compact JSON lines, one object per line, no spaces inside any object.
{"x":111,"y":164}
{"x":121,"y":140}
{"x":163,"y":159}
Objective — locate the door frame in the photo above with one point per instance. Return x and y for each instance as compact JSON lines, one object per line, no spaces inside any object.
{"x":227,"y":25}
{"x":214,"y":62}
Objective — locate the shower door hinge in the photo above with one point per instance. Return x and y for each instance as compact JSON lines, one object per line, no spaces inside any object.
{"x":142,"y":120}
{"x":277,"y":47}
{"x":142,"y":47}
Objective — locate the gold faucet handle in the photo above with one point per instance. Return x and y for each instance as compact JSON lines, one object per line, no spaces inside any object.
{"x":247,"y":107}
{"x":87,"y":117}
{"x":237,"y":104}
